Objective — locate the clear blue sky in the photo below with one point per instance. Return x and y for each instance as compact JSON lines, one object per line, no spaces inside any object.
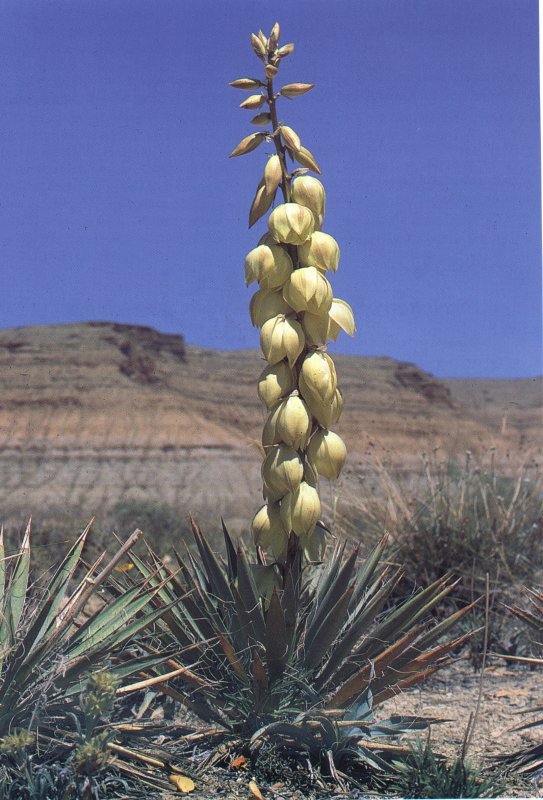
{"x":118,"y":201}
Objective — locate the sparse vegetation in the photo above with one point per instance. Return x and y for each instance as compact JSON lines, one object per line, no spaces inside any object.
{"x":465,"y":520}
{"x":426,"y":774}
{"x":164,"y":525}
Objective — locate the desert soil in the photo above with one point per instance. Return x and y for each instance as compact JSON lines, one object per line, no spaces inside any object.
{"x":450,"y":695}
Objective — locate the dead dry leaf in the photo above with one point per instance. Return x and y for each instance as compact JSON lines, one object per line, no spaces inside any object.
{"x":182,"y":783}
{"x":254,"y":791}
{"x":240,"y":762}
{"x":511,"y":693}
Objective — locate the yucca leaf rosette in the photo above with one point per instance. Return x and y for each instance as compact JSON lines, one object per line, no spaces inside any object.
{"x":297,"y":314}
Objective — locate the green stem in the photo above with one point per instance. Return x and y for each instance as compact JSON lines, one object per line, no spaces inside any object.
{"x":279,"y":146}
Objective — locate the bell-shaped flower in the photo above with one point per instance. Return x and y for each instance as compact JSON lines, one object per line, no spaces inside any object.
{"x":321,"y":251}
{"x":276,"y":381}
{"x":341,"y":318}
{"x":268,"y":530}
{"x":308,"y":290}
{"x":282,"y":471}
{"x":282,"y":337}
{"x":301,"y":509}
{"x":327,"y":453}
{"x":291,"y":223}
{"x":318,"y":377}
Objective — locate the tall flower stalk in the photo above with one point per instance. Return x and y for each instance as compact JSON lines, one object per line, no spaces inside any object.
{"x":297,"y":314}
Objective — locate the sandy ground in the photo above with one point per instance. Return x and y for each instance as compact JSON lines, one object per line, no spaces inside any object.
{"x":450,"y":695}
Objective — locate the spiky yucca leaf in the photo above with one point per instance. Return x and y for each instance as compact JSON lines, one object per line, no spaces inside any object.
{"x":46,"y":649}
{"x":322,"y":644}
{"x":533,"y":616}
{"x":529,"y":760}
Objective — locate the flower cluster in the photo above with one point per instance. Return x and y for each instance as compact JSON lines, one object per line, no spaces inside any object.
{"x":297,"y":314}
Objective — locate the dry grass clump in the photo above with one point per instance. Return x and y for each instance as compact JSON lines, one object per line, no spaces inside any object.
{"x":466,"y":519}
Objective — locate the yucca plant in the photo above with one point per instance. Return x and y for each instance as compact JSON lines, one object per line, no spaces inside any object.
{"x":300,"y":661}
{"x":50,"y":642}
{"x":285,"y":650}
{"x":51,"y":638}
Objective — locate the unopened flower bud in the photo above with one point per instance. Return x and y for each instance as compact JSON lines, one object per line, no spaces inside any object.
{"x":270,"y":266}
{"x":306,"y":158}
{"x":286,"y":50}
{"x":276,"y":381}
{"x":290,"y":137}
{"x":271,"y":71}
{"x":318,"y":377}
{"x":261,"y":119}
{"x":272,"y":173}
{"x":291,"y":223}
{"x":315,"y":328}
{"x":247,"y":84}
{"x":252,"y":102}
{"x":321,"y":251}
{"x":273,"y":38}
{"x":308,"y":290}
{"x":267,"y":238}
{"x":250,"y":142}
{"x":341,"y":318}
{"x":268,"y":530}
{"x":258,"y":46}
{"x":295,"y":89}
{"x":281,"y":337}
{"x":266,"y":304}
{"x":261,"y":203}
{"x":309,"y":192}
{"x":301,"y":509}
{"x":282,"y":471}
{"x":327,"y":453}
{"x":293,"y":422}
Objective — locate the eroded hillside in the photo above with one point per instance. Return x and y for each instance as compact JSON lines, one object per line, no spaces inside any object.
{"x":97,"y":412}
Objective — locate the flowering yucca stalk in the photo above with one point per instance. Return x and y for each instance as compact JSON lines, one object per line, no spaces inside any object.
{"x":297,"y":314}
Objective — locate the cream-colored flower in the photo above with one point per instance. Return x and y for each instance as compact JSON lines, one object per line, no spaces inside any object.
{"x":301,"y":509}
{"x":341,"y":318}
{"x":315,"y":328}
{"x":270,"y":266}
{"x":318,"y":377}
{"x":276,"y":381}
{"x":293,"y":422}
{"x":265,"y":304}
{"x":309,"y":192}
{"x":290,"y":223}
{"x":327,"y":413}
{"x":321,"y":251}
{"x":282,"y":471}
{"x":282,"y":337}
{"x":307,"y":289}
{"x":327,"y":453}
{"x":268,"y":530}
